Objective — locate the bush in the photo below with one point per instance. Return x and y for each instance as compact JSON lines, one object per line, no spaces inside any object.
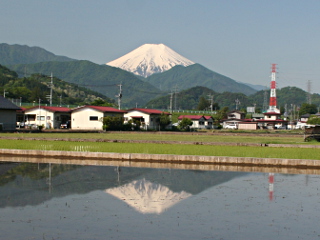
{"x":112,"y":123}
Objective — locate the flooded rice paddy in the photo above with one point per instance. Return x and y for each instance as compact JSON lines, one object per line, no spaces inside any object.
{"x":55,"y":201}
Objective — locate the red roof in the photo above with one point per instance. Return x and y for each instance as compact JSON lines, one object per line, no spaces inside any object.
{"x":148,"y":111}
{"x":101,"y":109}
{"x":22,"y":109}
{"x":207,"y":117}
{"x":50,"y":109}
{"x":275,"y":121}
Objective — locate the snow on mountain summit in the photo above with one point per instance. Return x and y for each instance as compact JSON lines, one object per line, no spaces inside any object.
{"x":149,"y":59}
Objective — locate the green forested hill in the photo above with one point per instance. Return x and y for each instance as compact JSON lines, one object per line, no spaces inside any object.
{"x":17,"y":54}
{"x":189,"y":99}
{"x":196,"y":75}
{"x":101,"y":78}
{"x":31,"y":89}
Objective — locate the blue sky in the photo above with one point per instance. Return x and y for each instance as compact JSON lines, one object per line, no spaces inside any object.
{"x":237,"y":38}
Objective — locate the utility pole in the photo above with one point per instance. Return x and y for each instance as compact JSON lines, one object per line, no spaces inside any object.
{"x":171,"y":97}
{"x":51,"y":87}
{"x":175,"y":97}
{"x":4,"y":93}
{"x":211,"y":102}
{"x":309,"y":92}
{"x":286,"y":110}
{"x":119,"y":96}
{"x":237,"y":103}
{"x":265,"y":100}
{"x":39,"y":112}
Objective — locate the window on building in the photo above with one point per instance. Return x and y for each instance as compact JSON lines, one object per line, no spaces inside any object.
{"x":41,"y":118}
{"x":93,"y":118}
{"x":30,"y":117}
{"x":201,"y":123}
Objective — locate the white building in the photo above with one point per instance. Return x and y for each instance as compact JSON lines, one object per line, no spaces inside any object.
{"x":236,"y":115}
{"x":89,"y":117}
{"x":149,"y":118}
{"x":198,"y":121}
{"x":48,"y":117}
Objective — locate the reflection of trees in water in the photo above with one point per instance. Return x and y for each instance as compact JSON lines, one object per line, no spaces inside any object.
{"x":32,"y":171}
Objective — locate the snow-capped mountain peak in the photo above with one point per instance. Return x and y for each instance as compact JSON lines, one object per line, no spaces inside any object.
{"x":149,"y":59}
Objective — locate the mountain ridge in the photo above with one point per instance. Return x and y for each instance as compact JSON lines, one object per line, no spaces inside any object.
{"x":23,"y":54}
{"x":100,"y":78}
{"x":197,"y":75}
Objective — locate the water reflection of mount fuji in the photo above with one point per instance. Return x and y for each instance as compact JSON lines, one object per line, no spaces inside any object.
{"x":147,"y":197}
{"x":147,"y":190}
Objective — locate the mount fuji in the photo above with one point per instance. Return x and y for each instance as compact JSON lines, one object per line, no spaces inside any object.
{"x":149,"y":59}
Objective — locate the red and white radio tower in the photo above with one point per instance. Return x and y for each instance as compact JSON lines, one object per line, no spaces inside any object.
{"x":273,"y":96}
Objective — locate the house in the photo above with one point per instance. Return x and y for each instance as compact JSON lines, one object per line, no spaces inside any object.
{"x":47,"y":116}
{"x":272,"y":120}
{"x":198,"y":121}
{"x":209,"y":122}
{"x":89,"y":117}
{"x":302,"y":122}
{"x":149,"y":118}
{"x":236,"y":115}
{"x":8,"y":115}
{"x":305,"y":117}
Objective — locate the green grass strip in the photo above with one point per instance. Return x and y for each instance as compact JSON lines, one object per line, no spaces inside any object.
{"x":240,"y":138}
{"x":150,"y":148}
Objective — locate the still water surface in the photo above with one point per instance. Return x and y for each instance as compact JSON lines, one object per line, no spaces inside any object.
{"x":54,"y":201}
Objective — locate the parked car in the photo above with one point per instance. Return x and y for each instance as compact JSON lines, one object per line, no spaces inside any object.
{"x":231,"y":126}
{"x":65,"y":125}
{"x":21,"y":125}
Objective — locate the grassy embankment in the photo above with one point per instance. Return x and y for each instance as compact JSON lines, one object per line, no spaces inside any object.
{"x":219,"y":136}
{"x":51,"y":143}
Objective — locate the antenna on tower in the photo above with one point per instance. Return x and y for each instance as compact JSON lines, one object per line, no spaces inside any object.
{"x":119,"y":96}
